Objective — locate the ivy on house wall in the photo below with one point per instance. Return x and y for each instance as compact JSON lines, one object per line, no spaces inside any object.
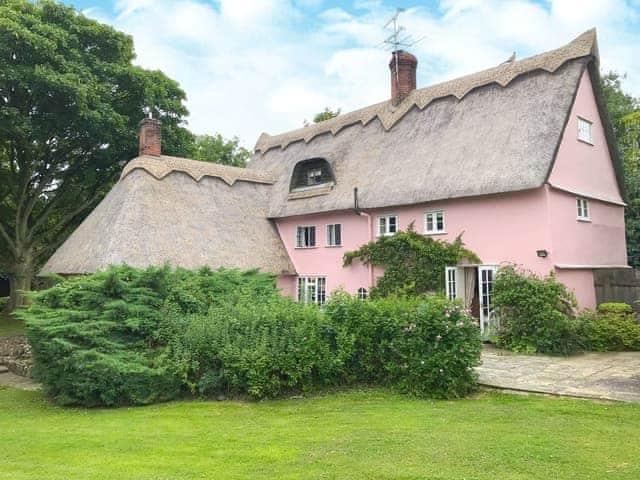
{"x":413,"y":263}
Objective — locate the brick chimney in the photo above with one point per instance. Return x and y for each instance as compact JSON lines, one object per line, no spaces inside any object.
{"x":403,"y":67}
{"x":150,"y":137}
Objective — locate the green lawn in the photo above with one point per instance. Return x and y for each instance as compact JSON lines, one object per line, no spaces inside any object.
{"x":367,"y":434}
{"x":10,"y":324}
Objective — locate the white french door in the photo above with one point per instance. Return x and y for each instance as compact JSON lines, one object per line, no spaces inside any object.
{"x":486,"y":277}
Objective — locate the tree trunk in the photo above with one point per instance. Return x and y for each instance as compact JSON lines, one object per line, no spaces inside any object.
{"x":20,"y":279}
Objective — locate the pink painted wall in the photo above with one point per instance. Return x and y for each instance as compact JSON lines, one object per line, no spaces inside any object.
{"x":580,"y":282}
{"x":324,"y":260}
{"x":579,"y":165}
{"x":500,"y":228}
{"x":588,"y":170}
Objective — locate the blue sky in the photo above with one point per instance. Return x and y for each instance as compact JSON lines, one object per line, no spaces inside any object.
{"x":250,"y":66}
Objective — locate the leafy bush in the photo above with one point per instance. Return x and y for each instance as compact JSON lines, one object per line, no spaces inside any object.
{"x":4,"y":301}
{"x":612,"y":328}
{"x":127,"y":336}
{"x":413,"y":263}
{"x":102,"y":339}
{"x":615,"y":308}
{"x":536,"y":314}
{"x":263,"y":349}
{"x":423,"y":346}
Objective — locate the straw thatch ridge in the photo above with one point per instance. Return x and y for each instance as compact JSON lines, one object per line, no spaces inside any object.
{"x":145,"y":221}
{"x":163,"y":165}
{"x":389,"y":115}
{"x":494,"y":140}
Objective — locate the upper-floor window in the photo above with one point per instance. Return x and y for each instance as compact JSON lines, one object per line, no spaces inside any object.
{"x":311,"y":173}
{"x":306,"y":237}
{"x":312,"y":290}
{"x":434,"y":222}
{"x":387,"y":225}
{"x":363,"y":294}
{"x":334,"y":235}
{"x":583,"y":208}
{"x":585,"y":130}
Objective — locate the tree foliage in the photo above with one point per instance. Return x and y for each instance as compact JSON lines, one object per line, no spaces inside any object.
{"x":413,"y":263}
{"x":70,"y":103}
{"x":217,"y":149}
{"x":326,"y":114}
{"x":624,"y":111}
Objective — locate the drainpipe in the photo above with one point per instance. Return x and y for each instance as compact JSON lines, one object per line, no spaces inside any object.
{"x":358,"y":211}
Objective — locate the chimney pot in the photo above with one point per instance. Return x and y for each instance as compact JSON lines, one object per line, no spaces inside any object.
{"x":403,"y":68}
{"x":150,"y":137}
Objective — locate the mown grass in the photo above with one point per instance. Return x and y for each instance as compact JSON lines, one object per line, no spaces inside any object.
{"x":10,"y":325}
{"x":365,"y":434}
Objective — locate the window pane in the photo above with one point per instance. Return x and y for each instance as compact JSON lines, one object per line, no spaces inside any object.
{"x":392,"y":224}
{"x":382,"y":226}
{"x":312,"y":237}
{"x":337,"y":233}
{"x":429,"y":222}
{"x":300,"y":237}
{"x":440,"y":221}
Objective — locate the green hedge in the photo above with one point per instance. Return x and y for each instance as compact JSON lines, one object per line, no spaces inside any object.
{"x":261,"y":348}
{"x":102,"y":339}
{"x":613,"y":327}
{"x":425,"y":346}
{"x":127,"y":336}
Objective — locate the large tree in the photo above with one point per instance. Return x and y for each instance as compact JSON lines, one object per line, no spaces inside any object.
{"x":217,"y":149}
{"x":70,"y":103}
{"x":624,"y":111}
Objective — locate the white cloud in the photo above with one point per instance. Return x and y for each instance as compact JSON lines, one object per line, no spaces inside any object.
{"x":266,"y":65}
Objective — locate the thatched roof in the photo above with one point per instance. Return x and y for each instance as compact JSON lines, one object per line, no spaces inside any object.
{"x":491,"y":132}
{"x":178,"y":211}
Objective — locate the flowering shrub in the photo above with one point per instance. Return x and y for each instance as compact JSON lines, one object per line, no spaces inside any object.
{"x":424,"y":346}
{"x":536,"y":314}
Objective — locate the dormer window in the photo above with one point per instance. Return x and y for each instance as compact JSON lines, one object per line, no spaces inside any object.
{"x":311,"y":177}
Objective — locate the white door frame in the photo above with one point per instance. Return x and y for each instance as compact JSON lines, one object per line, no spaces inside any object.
{"x":486,"y":277}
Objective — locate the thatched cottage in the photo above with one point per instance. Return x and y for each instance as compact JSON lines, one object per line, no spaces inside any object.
{"x":520,"y":157}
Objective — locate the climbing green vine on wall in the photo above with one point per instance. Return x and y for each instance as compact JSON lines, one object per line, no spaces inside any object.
{"x":413,"y":263}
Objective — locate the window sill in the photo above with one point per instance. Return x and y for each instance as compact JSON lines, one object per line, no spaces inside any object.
{"x":435,"y":233}
{"x":305,"y":248}
{"x":333,"y":246}
{"x":585,"y":220}
{"x":586,"y":142}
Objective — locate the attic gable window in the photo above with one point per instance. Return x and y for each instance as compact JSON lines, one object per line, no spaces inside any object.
{"x":583,"y":209}
{"x":310,"y":174}
{"x":585,"y":131}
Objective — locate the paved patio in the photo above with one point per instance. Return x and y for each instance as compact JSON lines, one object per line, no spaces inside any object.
{"x":603,"y":376}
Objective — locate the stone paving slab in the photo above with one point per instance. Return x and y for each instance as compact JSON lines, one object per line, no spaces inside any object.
{"x":603,"y":376}
{"x":9,"y":379}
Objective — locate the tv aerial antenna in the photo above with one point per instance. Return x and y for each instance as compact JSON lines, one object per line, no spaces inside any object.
{"x":399,"y":38}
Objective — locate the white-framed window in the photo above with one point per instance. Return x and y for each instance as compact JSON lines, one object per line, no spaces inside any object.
{"x":334,"y":235}
{"x":585,"y":130}
{"x":387,"y":225}
{"x":363,"y":294}
{"x":312,"y":289}
{"x":583,"y":208}
{"x":306,"y":236}
{"x":314,"y":176}
{"x":434,"y":222}
{"x":452,"y":283}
